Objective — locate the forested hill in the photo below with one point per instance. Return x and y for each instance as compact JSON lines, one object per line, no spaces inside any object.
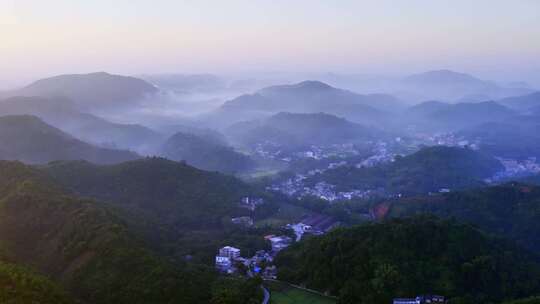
{"x":427,"y":170}
{"x":179,"y":209}
{"x":406,"y":257}
{"x":21,"y":285}
{"x":82,"y":245}
{"x":205,"y":152}
{"x":174,"y":192}
{"x":511,"y":210}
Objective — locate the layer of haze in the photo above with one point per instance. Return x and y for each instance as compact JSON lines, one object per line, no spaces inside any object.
{"x":497,"y":39}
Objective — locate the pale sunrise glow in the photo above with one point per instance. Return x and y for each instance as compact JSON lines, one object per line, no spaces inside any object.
{"x":46,"y":37}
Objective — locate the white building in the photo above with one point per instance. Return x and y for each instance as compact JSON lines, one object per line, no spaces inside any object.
{"x":280,"y":242}
{"x":230,"y":252}
{"x":223,"y":263}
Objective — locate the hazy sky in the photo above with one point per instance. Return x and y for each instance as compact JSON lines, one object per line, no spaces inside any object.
{"x":488,"y":37}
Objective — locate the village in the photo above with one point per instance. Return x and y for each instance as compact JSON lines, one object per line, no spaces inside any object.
{"x":296,"y":187}
{"x":229,"y":259}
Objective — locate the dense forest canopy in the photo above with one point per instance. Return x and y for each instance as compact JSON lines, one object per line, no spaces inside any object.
{"x":405,"y":257}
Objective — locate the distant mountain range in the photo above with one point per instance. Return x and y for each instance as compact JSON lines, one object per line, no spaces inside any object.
{"x":29,"y":139}
{"x":524,"y":103}
{"x":309,"y":97}
{"x":444,"y":85}
{"x":453,"y":86}
{"x":90,"y":92}
{"x":63,"y":114}
{"x":187,"y":83}
{"x":516,"y":138}
{"x":439,"y":116}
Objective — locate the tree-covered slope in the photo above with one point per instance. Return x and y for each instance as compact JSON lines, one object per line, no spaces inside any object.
{"x":427,"y":170}
{"x":403,"y":258}
{"x":19,"y":285}
{"x":175,"y":192}
{"x":85,"y":247}
{"x":511,"y":210}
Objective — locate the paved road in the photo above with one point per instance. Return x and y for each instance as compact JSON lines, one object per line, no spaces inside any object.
{"x":266,"y":299}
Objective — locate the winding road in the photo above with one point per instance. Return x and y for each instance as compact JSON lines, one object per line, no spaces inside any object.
{"x":266,"y":299}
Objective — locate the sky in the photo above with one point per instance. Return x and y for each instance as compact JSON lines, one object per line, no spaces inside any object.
{"x":497,"y":39}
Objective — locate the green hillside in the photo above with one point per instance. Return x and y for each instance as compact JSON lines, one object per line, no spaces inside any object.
{"x":427,"y":170}
{"x":19,"y":285}
{"x":85,"y":247}
{"x":511,"y":210}
{"x":181,"y":209}
{"x":403,"y":258}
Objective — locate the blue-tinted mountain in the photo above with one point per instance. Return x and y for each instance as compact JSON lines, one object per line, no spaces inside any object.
{"x":63,"y":114}
{"x":294,"y":130}
{"x":94,"y":91}
{"x":427,"y":108}
{"x":206,"y":152}
{"x":29,"y":139}
{"x":517,"y":138}
{"x":186,"y":83}
{"x":524,"y":103}
{"x":435,"y":116}
{"x":313,"y":97}
{"x":451,"y":86}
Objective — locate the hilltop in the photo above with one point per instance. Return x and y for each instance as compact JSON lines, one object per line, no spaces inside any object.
{"x":90,"y":91}
{"x":308,"y":97}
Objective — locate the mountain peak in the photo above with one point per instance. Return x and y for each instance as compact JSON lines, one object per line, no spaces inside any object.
{"x":442,"y":76}
{"x":312,"y":84}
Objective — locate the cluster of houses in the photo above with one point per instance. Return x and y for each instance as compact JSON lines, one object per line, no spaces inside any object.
{"x":228,"y":260}
{"x":296,"y":187}
{"x":516,"y":168}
